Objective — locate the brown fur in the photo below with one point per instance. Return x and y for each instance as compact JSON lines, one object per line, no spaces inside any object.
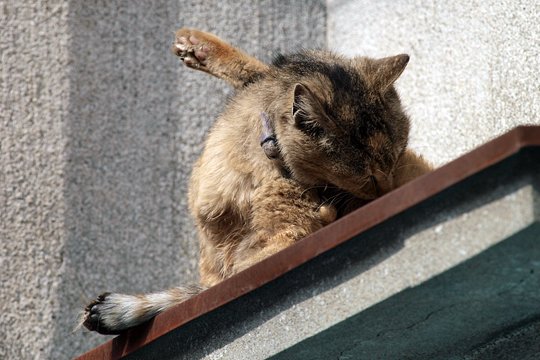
{"x":245,"y":210}
{"x":342,"y":137}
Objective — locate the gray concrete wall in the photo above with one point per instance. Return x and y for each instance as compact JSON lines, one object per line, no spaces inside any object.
{"x":99,"y":127}
{"x":473,"y":72}
{"x":33,"y":109}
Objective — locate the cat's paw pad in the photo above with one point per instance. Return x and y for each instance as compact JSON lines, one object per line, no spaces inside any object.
{"x":101,"y":315}
{"x":190,"y":48}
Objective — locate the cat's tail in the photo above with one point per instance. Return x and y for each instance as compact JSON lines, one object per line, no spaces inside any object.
{"x":112,"y":313}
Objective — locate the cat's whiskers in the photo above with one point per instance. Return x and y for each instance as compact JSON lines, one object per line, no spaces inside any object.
{"x":384,"y":174}
{"x":405,"y":165}
{"x":330,"y":200}
{"x":366,"y":180}
{"x":325,"y":187}
{"x":350,"y":199}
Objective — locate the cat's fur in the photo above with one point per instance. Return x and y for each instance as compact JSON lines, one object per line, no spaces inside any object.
{"x":339,"y":135}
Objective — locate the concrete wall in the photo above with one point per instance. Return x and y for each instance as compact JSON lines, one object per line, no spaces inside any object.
{"x":33,"y":113}
{"x":474,"y":68}
{"x":99,"y":126}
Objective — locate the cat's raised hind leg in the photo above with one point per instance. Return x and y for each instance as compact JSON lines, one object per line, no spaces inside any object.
{"x":206,"y":52}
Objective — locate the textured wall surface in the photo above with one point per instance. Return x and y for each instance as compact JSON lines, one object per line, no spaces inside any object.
{"x":34,"y":93}
{"x":474,"y":68}
{"x":99,"y":127}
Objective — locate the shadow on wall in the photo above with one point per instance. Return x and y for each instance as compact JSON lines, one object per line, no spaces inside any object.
{"x":137,"y":120}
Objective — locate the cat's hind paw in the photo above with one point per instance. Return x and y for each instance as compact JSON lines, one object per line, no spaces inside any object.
{"x":190,"y":48}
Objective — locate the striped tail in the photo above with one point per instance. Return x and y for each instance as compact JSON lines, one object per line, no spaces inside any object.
{"x":112,"y":313}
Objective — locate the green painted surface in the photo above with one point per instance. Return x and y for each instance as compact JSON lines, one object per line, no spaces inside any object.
{"x":485,"y":308}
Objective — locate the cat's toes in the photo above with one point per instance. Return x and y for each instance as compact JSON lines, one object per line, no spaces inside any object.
{"x":327,"y":213}
{"x":190,"y":48}
{"x":99,"y":317}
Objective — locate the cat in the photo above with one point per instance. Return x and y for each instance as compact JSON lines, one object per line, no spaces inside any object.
{"x":305,"y":140}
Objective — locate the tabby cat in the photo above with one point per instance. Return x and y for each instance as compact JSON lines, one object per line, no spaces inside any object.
{"x":305,"y":140}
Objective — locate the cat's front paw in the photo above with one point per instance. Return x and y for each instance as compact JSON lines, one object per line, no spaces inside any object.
{"x":191,"y":47}
{"x":108,"y":314}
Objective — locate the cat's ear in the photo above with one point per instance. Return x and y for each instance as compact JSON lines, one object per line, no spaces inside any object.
{"x":387,"y":70}
{"x":301,"y":100}
{"x":304,"y":103}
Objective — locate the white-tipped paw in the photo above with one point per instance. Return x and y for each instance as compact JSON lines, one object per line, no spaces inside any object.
{"x":112,"y":313}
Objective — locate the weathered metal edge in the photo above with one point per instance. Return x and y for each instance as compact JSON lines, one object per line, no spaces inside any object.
{"x":323,"y":240}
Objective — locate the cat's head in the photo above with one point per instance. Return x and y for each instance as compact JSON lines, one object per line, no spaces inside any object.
{"x":343,"y":124}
